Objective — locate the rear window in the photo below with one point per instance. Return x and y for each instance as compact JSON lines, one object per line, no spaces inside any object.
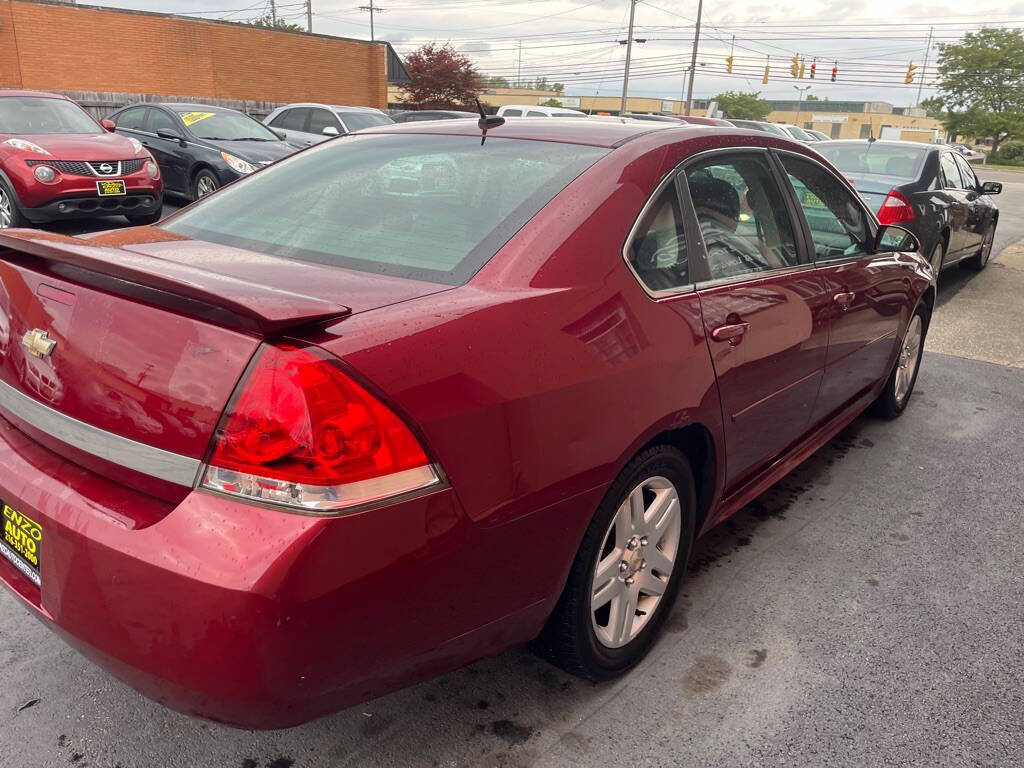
{"x":887,"y":160}
{"x":432,"y":208}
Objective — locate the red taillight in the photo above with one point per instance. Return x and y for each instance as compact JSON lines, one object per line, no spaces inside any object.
{"x":895,"y":209}
{"x":303,"y":434}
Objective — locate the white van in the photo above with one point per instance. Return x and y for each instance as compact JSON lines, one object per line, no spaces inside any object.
{"x":526,"y":110}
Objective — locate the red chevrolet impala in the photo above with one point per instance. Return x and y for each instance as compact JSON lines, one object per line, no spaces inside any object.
{"x":418,"y":395}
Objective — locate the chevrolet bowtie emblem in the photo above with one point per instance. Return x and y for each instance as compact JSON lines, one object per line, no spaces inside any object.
{"x":38,"y":343}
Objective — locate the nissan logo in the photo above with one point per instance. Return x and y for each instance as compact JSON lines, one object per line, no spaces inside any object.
{"x":106,"y":168}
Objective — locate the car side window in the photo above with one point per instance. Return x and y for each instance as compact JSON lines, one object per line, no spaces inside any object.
{"x":743,"y":222}
{"x":131,"y":119}
{"x":513,"y":113}
{"x":950,"y":173}
{"x":657,"y":251}
{"x":160,"y":120}
{"x":839,"y":226}
{"x":320,"y":119}
{"x":535,"y":113}
{"x":291,"y":119}
{"x":967,"y":173}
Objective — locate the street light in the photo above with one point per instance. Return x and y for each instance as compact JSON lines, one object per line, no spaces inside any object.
{"x":800,"y":103}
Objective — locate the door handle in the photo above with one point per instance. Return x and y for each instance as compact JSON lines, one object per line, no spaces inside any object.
{"x":844,"y":299}
{"x":732,"y":333}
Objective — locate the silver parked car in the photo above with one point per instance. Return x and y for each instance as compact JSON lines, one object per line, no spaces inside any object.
{"x":305,"y":124}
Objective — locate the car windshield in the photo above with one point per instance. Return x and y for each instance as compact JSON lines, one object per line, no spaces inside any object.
{"x":425,"y":207}
{"x":356,"y":120}
{"x":224,"y":125}
{"x":886,"y":160}
{"x":799,"y":133}
{"x":32,"y":114}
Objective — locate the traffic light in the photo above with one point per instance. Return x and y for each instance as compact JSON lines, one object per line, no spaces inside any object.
{"x":794,"y":65}
{"x":728,"y":64}
{"x":767,"y":69}
{"x":835,"y":71}
{"x":814,"y":66}
{"x":911,"y":68}
{"x":801,"y":70}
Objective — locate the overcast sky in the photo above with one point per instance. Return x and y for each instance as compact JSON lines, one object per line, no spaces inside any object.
{"x":575,"y":41}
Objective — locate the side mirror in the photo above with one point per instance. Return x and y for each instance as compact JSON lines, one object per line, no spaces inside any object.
{"x":108,"y":125}
{"x":991,"y":188}
{"x":169,"y":134}
{"x":330,"y":130}
{"x":891,"y":238}
{"x":280,"y":134}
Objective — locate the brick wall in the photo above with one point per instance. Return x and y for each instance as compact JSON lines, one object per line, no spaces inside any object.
{"x":50,"y":46}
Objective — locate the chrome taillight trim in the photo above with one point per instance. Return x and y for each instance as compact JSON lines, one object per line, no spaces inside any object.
{"x":123,"y":451}
{"x":319,"y":500}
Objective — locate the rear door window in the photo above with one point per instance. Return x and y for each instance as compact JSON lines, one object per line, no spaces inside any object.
{"x":513,"y":113}
{"x":657,"y":251}
{"x":743,"y":220}
{"x":292,"y":119}
{"x":132,"y":119}
{"x":423,"y":206}
{"x":970,"y":180}
{"x":950,"y":173}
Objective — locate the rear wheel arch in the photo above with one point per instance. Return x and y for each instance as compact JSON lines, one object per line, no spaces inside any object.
{"x":696,"y":443}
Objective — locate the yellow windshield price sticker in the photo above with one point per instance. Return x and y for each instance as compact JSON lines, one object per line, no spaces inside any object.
{"x":194,"y":117}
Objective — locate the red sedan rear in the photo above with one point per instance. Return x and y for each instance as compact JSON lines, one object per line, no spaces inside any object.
{"x":410,"y":398}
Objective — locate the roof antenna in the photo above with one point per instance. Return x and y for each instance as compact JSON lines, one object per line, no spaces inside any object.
{"x":487,"y":121}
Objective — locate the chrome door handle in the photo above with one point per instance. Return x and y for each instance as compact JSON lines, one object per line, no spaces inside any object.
{"x":732,"y":333}
{"x":844,"y":299}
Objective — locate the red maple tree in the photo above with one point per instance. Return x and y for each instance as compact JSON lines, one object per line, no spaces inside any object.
{"x":442,"y":78}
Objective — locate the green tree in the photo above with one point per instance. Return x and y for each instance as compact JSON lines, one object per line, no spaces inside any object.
{"x":812,"y":97}
{"x":743,"y":106}
{"x":558,"y":87}
{"x":551,"y":103}
{"x":494,"y":81}
{"x":269,"y":22}
{"x":541,"y":84}
{"x":981,"y":84}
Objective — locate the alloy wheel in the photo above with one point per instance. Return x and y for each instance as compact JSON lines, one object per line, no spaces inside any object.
{"x":6,"y":213}
{"x":635,"y":562}
{"x":986,"y":246}
{"x":910,"y":354}
{"x":205,"y":186}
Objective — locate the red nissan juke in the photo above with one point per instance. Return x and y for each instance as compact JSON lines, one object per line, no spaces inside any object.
{"x":423,"y":393}
{"x":57,"y":162}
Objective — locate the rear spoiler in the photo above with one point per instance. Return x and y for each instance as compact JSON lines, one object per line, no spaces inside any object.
{"x":182,"y":288}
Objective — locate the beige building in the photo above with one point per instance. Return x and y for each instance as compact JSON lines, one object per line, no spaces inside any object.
{"x":838,"y":119}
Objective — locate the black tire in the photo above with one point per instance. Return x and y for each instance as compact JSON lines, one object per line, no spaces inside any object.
{"x":13,"y":207}
{"x":145,"y":219}
{"x":938,"y":255}
{"x":980,"y":261}
{"x":569,"y":640}
{"x":204,"y":178}
{"x":889,"y":404}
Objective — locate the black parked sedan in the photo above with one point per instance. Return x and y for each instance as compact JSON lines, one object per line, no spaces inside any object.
{"x":926,"y":188}
{"x":198,"y":147}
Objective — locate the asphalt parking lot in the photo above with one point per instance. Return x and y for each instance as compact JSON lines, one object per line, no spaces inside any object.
{"x":865,"y":611}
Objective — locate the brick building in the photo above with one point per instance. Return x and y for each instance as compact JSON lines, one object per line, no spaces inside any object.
{"x":80,"y":49}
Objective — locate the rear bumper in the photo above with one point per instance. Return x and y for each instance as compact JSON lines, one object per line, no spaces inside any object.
{"x":248,"y":615}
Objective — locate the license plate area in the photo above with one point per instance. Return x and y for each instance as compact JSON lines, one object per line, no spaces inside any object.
{"x":110,"y":187}
{"x":21,"y":542}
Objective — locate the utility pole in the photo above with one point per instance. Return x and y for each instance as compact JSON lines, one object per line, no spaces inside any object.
{"x":372,"y":9}
{"x":924,"y":67}
{"x":629,"y":54}
{"x":273,"y":13}
{"x":519,"y":65}
{"x":309,"y":15}
{"x":693,"y":59}
{"x":800,"y":103}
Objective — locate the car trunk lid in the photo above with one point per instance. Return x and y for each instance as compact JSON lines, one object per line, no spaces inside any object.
{"x":875,"y":187}
{"x":134,"y":355}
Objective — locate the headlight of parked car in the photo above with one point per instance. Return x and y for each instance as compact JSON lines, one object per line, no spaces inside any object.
{"x":136,"y":144}
{"x":152,"y":169}
{"x":237,"y":165}
{"x":44,"y":173}
{"x":27,"y":146}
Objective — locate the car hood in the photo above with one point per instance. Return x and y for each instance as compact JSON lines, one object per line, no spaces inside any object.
{"x":80,"y":146}
{"x":254,"y":151}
